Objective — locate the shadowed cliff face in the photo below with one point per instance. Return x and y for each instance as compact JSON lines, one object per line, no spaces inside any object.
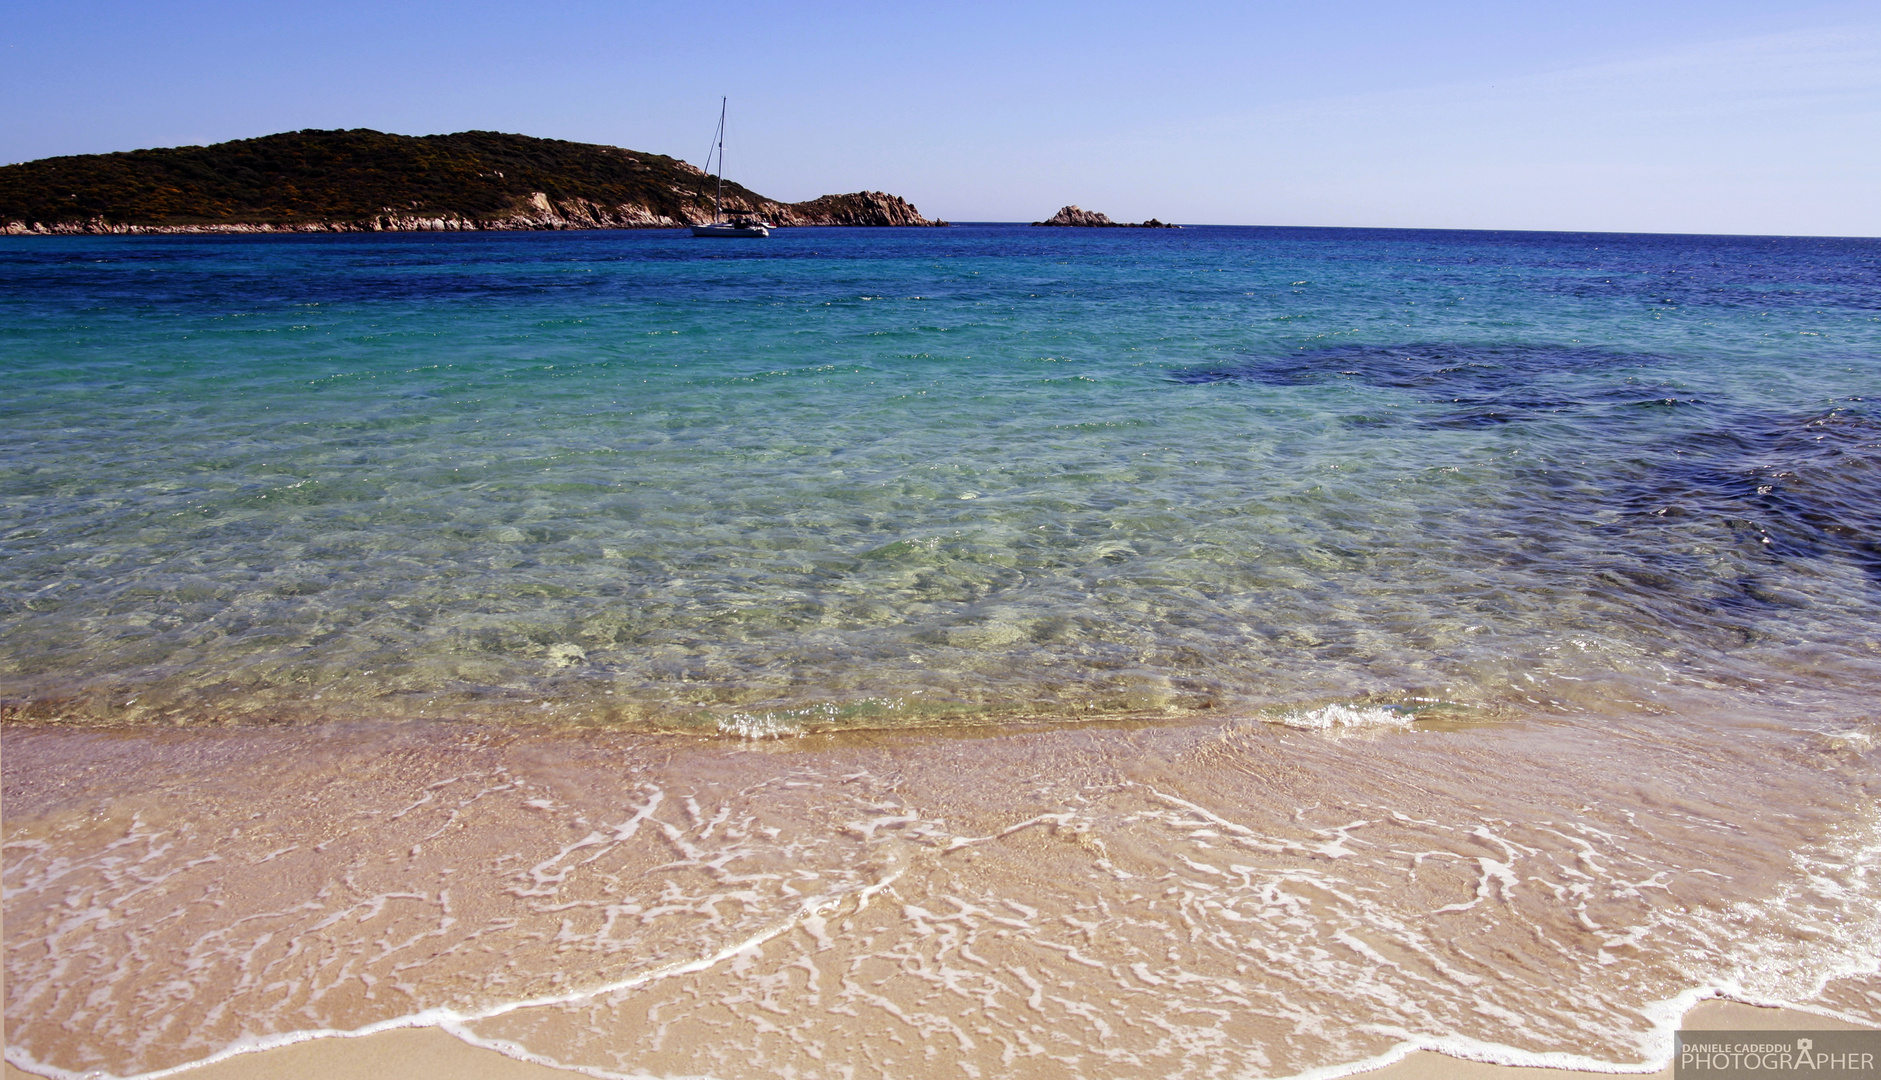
{"x":367,"y":181}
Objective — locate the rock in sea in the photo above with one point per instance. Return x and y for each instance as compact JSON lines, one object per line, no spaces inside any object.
{"x":1088,"y":219}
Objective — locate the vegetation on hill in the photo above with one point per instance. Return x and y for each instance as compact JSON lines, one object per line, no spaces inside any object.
{"x":369,"y":179}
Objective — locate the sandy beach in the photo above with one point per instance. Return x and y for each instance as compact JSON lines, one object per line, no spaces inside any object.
{"x":430,"y":1054}
{"x":472,"y":870}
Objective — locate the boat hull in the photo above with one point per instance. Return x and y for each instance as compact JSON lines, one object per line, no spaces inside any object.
{"x":730,"y":231}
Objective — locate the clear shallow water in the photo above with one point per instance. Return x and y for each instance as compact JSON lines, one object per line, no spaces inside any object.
{"x":883,"y":477}
{"x":1490,"y":619}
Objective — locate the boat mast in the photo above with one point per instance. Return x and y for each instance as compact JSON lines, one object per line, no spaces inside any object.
{"x":718,"y":200}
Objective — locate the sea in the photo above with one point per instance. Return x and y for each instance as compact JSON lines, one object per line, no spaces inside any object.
{"x":979,"y":652}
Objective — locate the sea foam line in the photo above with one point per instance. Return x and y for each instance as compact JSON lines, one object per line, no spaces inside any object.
{"x":1860,"y":955}
{"x":1658,"y":1042}
{"x":451,"y":1021}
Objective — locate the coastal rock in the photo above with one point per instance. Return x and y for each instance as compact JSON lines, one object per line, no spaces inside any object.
{"x":538,"y":212}
{"x":860,"y":208}
{"x":1087,"y":219}
{"x":1083,"y":219}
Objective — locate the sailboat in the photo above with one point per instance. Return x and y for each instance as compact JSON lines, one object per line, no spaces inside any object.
{"x":741,"y":223}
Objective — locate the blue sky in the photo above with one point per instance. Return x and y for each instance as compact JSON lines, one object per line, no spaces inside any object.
{"x":1676,"y":116}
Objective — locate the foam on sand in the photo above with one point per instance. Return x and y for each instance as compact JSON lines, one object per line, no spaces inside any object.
{"x":1108,"y":902}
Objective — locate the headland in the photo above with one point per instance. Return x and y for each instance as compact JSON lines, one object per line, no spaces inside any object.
{"x":369,"y":181}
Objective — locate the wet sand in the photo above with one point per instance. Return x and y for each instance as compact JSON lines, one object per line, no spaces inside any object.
{"x":1104,"y":902}
{"x":430,"y":1054}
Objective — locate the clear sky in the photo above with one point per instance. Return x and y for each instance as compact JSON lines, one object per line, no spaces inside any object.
{"x":1739,"y":116}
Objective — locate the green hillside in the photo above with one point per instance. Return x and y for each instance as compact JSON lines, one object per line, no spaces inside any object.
{"x":305,"y":178}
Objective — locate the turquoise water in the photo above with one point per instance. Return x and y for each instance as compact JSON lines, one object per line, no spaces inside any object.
{"x":880,"y":477}
{"x":394,"y":631}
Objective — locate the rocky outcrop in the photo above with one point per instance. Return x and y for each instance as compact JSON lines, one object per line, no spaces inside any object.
{"x":368,"y":181}
{"x":1086,"y":219}
{"x":1083,"y":219}
{"x":537,"y":213}
{"x":860,"y":208}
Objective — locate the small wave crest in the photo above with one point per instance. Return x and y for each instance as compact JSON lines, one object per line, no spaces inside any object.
{"x":1336,"y":716}
{"x":760,"y":726}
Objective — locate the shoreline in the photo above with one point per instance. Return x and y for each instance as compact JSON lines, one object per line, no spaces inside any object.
{"x":405,"y":224}
{"x":404,"y":813}
{"x":431,"y":1053}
